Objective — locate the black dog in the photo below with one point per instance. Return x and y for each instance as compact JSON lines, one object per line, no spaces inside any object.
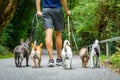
{"x":20,"y":52}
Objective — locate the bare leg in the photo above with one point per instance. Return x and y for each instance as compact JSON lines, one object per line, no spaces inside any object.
{"x":58,"y":36}
{"x":49,"y":42}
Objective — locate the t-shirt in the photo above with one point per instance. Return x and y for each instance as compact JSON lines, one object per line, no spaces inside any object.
{"x":51,"y":3}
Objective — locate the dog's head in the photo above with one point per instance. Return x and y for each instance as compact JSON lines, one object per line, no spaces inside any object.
{"x":36,"y":47}
{"x":66,"y":43}
{"x":25,"y":43}
{"x":96,"y":41}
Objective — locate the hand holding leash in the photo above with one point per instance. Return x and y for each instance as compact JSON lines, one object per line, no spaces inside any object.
{"x":39,"y":13}
{"x":68,"y":13}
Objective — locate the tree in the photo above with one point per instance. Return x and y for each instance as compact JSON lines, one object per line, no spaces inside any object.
{"x":7,"y":10}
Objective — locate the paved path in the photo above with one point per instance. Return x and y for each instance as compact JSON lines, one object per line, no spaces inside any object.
{"x":8,"y":71}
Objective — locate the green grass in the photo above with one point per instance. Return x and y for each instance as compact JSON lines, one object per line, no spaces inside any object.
{"x":4,"y":56}
{"x":102,"y":57}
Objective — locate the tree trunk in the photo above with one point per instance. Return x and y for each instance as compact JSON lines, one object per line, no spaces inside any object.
{"x":7,"y":10}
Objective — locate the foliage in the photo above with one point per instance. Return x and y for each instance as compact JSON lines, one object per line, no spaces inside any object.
{"x":108,"y":24}
{"x":83,"y":22}
{"x":115,"y":59}
{"x":3,"y":50}
{"x":7,"y":10}
{"x":102,"y":57}
{"x":89,"y":20}
{"x":21,"y":22}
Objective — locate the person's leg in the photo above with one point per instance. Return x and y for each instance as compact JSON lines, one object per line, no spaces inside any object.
{"x":49,"y":42}
{"x":58,"y":36}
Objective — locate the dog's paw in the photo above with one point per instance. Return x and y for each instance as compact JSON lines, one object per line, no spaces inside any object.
{"x":33,"y":66}
{"x":38,"y":66}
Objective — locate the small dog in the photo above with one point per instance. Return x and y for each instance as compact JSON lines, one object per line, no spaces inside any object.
{"x":84,"y":56}
{"x":67,"y":55}
{"x":36,"y":53}
{"x":21,"y":52}
{"x":95,"y":52}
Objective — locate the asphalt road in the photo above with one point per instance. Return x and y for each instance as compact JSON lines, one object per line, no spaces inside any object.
{"x":8,"y":71}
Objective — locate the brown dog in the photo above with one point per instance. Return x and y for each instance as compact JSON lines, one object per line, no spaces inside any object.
{"x":36,"y":53}
{"x":84,"y":56}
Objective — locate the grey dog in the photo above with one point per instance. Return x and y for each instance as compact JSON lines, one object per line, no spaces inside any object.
{"x":21,"y":52}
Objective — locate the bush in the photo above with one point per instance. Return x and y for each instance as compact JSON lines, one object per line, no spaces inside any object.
{"x":3,"y":50}
{"x":115,"y":59}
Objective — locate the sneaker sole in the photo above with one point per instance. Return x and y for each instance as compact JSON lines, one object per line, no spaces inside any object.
{"x":59,"y":64}
{"x":50,"y":65}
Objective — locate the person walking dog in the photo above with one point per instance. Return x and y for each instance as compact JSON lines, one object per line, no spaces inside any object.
{"x":52,"y":16}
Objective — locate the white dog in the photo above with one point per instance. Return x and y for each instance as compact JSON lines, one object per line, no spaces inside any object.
{"x":67,"y":55}
{"x":95,"y":52}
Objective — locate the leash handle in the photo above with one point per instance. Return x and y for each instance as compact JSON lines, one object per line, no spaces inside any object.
{"x":68,"y":28}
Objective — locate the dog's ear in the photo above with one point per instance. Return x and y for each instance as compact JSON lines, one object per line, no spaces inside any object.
{"x":21,"y":41}
{"x":41,"y":44}
{"x":28,"y":41}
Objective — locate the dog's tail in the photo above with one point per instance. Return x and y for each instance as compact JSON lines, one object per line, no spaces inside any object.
{"x":35,"y":43}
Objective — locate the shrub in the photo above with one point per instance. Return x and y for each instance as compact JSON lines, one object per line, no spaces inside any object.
{"x":115,"y":59}
{"x":3,"y":50}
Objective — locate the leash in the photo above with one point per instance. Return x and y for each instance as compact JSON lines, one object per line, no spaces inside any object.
{"x":35,"y":24}
{"x":68,"y":28}
{"x":69,"y":33}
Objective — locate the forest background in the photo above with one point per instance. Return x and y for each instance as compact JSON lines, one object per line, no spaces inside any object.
{"x":89,"y":20}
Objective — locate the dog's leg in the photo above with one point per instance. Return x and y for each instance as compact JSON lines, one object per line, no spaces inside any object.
{"x":33,"y":62}
{"x":21,"y":59}
{"x":64,"y":65}
{"x":92,"y":62}
{"x":83,"y":65}
{"x":63,"y":61}
{"x":98,"y":62}
{"x":27,"y":59}
{"x":71,"y":63}
{"x":16,"y":60}
{"x":39,"y":61}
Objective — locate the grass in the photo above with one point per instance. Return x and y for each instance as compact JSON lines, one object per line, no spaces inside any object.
{"x":102,"y":57}
{"x":5,"y":56}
